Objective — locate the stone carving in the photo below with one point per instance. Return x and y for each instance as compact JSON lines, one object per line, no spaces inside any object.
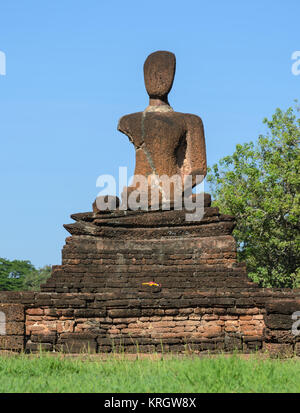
{"x":167,"y":143}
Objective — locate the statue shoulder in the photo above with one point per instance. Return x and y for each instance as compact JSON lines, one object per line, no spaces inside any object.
{"x":130,"y":124}
{"x":192,"y":120}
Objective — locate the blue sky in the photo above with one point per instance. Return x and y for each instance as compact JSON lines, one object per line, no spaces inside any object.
{"x":75,"y":67}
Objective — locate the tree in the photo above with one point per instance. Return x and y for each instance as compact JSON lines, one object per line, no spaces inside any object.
{"x":33,"y":280}
{"x":260,"y":184}
{"x":12,"y":274}
{"x":22,"y":275}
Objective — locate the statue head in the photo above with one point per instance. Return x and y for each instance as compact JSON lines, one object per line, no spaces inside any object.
{"x":159,"y":72}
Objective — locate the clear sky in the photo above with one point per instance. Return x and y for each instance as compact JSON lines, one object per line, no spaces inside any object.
{"x":75,"y":67}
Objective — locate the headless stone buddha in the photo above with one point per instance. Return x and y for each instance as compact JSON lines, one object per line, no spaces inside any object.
{"x":167,"y":143}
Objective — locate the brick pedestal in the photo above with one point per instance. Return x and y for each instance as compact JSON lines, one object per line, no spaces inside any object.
{"x":96,"y":301}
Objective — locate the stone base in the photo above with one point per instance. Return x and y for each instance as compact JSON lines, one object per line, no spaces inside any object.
{"x":120,"y":251}
{"x":202,"y":300}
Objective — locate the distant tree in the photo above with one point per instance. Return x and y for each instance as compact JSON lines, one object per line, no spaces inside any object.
{"x":34,"y":279}
{"x":13,"y":273}
{"x":260,"y":185}
{"x":22,"y":275}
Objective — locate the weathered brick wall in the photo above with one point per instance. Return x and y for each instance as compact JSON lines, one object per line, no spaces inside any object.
{"x":197,"y":329}
{"x":12,"y":326}
{"x":156,"y":321}
{"x":282,"y":334}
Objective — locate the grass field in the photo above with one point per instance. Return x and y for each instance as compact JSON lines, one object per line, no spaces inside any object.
{"x":57,"y":374}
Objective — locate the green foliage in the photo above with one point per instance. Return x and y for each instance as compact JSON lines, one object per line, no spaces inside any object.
{"x":259,"y":184}
{"x":12,"y":274}
{"x":21,"y":275}
{"x":220,"y":374}
{"x":34,"y":279}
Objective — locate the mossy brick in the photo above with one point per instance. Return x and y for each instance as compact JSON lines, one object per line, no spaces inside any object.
{"x":12,"y":343}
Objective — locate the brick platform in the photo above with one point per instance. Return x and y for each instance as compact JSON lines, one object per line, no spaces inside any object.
{"x":119,"y":251}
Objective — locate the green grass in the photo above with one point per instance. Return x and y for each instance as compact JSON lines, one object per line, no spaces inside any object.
{"x":46,"y":373}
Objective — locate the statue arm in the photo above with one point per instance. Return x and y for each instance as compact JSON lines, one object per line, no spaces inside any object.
{"x":195,"y":151}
